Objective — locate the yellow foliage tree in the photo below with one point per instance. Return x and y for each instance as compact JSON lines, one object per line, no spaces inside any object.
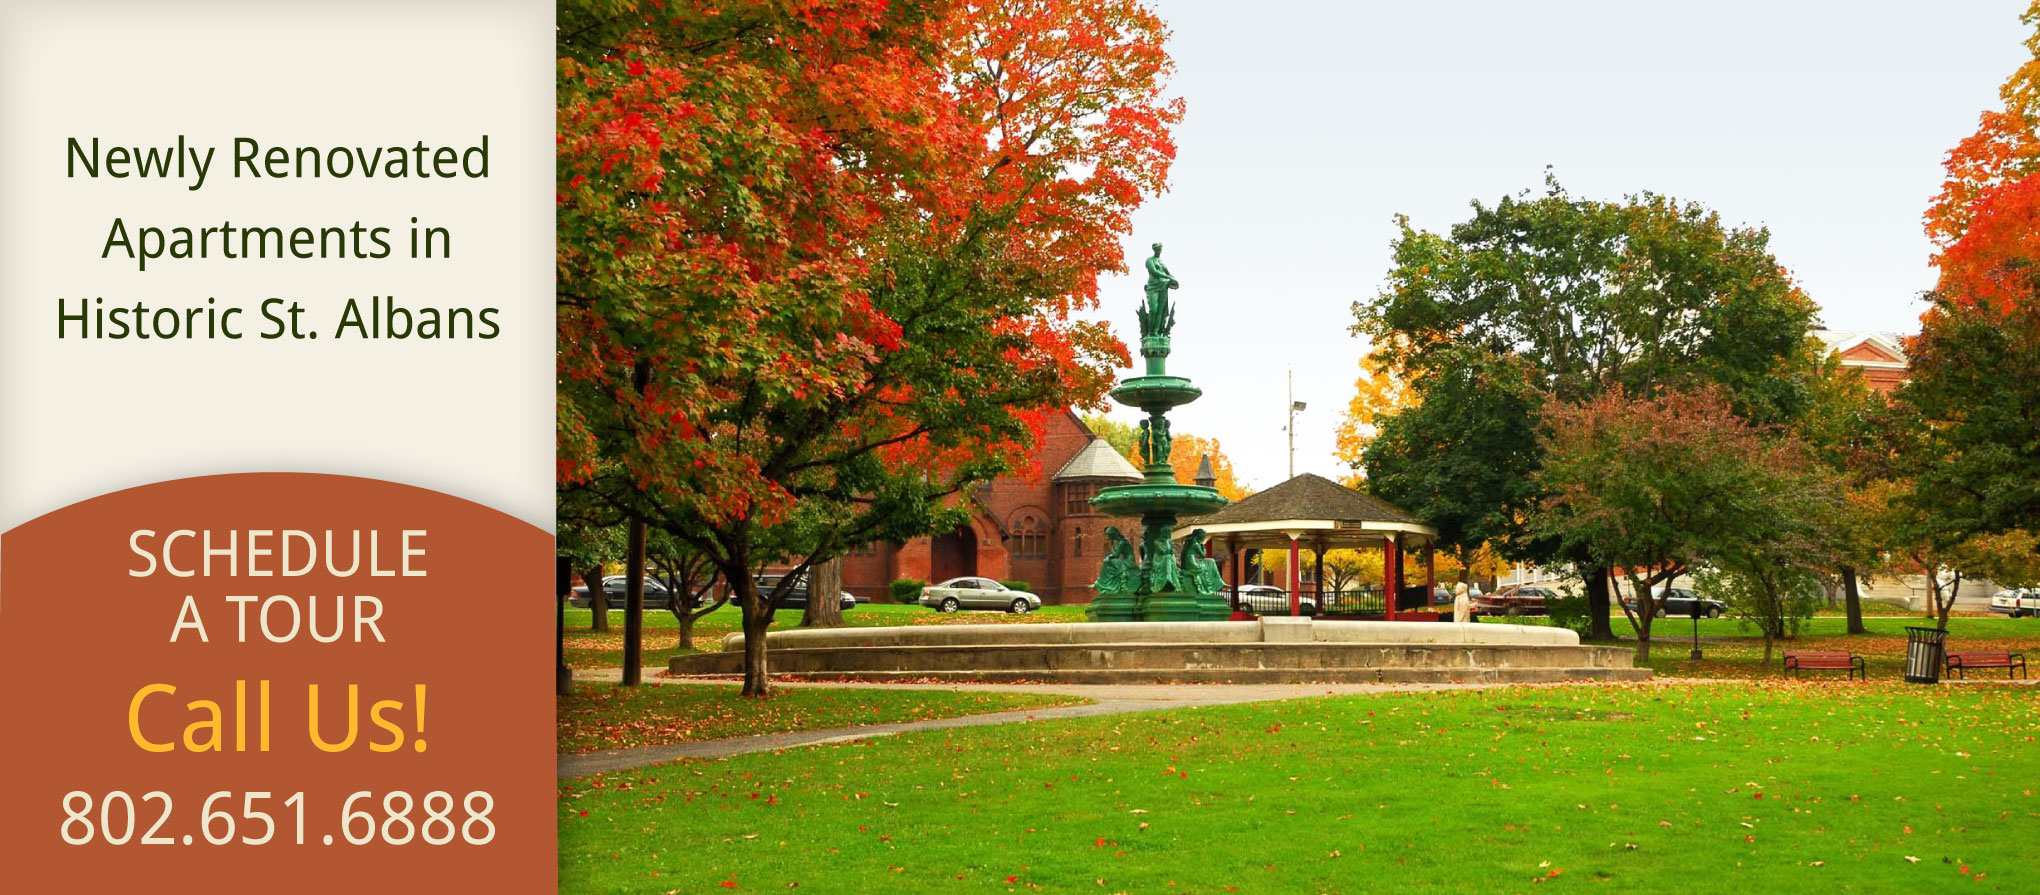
{"x":1377,"y":393}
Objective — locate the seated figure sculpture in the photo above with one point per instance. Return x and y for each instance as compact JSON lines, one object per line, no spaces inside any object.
{"x":1120,"y":572}
{"x":1200,"y":572}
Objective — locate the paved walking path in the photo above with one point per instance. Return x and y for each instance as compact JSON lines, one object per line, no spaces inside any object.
{"x":1109,"y":699}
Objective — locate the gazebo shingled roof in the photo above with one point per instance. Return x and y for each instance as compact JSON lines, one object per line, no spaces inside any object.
{"x":1313,"y":506}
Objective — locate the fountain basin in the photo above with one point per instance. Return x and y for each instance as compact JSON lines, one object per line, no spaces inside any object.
{"x":1148,"y":499}
{"x":1156,"y":393}
{"x":1267,"y":650}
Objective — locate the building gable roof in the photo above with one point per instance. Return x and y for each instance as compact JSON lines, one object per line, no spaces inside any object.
{"x":1891,"y":346}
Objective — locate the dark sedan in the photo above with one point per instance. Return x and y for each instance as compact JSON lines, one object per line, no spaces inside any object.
{"x":656,"y":594}
{"x":797,"y":596}
{"x":1680,"y":602}
{"x":1684,"y":603}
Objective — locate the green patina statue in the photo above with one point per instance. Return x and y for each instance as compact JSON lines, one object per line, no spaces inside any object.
{"x":1158,"y":315}
{"x":1163,"y":575}
{"x":1151,"y":435}
{"x":1157,"y":581}
{"x":1120,"y":572}
{"x":1199,"y":571}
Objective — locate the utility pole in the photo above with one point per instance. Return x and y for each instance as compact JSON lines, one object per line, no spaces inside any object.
{"x":1294,"y":406}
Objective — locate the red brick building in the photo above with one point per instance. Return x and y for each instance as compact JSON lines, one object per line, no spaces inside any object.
{"x":1042,"y":531}
{"x":1879,"y":356}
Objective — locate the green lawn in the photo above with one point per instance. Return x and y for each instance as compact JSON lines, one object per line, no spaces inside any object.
{"x":1673,"y":789}
{"x":605,"y":716}
{"x":587,"y":650}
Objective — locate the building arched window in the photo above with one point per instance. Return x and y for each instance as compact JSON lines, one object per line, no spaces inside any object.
{"x":1077,"y":542}
{"x":1030,"y":536}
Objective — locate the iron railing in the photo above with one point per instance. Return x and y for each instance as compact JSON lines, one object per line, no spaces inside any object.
{"x":1364,"y":600}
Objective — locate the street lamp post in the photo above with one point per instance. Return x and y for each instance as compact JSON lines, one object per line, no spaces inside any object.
{"x":1294,"y":406}
{"x":1695,"y":654}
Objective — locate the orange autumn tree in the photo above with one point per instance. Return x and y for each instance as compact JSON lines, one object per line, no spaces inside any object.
{"x":817,"y":261}
{"x":2005,"y":147}
{"x":1186,"y":452}
{"x":1967,"y":450}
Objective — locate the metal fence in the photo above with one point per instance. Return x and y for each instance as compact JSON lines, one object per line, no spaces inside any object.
{"x":1363,"y":600}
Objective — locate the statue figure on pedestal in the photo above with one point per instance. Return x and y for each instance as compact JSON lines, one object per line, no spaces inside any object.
{"x":1201,"y":571}
{"x":1120,"y":572}
{"x":1158,"y":315}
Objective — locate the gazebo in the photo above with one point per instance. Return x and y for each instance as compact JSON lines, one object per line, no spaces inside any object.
{"x":1311,"y":511}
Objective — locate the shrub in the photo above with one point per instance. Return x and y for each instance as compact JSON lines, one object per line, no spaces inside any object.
{"x":1570,"y":611}
{"x":907,"y":590}
{"x":1018,"y":585}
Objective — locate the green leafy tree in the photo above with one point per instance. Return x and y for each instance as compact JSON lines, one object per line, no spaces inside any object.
{"x":1655,"y":486}
{"x":690,"y":579}
{"x":1462,"y":459}
{"x":1647,"y":294}
{"x":1764,"y":588}
{"x":591,"y":534}
{"x":1841,"y":425}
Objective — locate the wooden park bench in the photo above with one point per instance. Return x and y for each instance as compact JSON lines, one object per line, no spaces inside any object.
{"x":1960,"y":663}
{"x":1829,"y":661}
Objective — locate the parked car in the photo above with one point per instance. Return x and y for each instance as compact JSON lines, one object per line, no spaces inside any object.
{"x":977,"y":593}
{"x":1516,"y":599}
{"x":797,"y":597}
{"x":1682,"y":602}
{"x":1267,"y":599}
{"x":656,"y":594}
{"x":2017,"y":602}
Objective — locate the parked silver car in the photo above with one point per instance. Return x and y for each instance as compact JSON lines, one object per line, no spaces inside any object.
{"x":1267,"y":599}
{"x":977,"y":593}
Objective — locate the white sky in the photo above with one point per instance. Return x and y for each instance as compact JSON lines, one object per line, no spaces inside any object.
{"x":1311,"y":124}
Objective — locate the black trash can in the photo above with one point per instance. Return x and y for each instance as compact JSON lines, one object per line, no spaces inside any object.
{"x":1924,"y":648}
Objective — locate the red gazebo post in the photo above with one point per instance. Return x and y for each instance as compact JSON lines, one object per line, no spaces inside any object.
{"x":1391,"y":574}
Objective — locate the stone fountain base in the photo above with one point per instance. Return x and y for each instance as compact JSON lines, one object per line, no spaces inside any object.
{"x":1267,"y":650}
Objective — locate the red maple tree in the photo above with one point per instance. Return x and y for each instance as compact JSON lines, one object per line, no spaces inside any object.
{"x":818,"y":260}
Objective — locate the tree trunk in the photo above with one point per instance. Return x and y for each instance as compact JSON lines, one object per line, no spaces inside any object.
{"x":825,"y":584}
{"x":755,"y":626}
{"x":634,"y":607}
{"x":1943,"y":604}
{"x":1597,"y":603}
{"x":1646,"y":612}
{"x":685,"y":617}
{"x":563,"y":683}
{"x":1852,"y":598}
{"x":598,"y":600}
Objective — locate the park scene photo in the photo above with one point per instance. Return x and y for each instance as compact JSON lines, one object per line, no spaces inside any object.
{"x":1168,"y":446}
